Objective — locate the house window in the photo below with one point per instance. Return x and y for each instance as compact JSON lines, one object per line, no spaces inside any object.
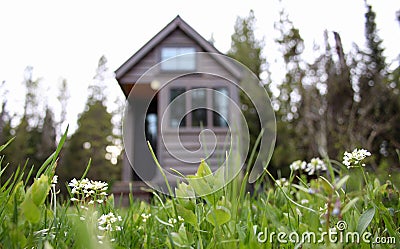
{"x":179,"y":108}
{"x":181,"y":63}
{"x":198,"y":100}
{"x":199,"y":116}
{"x":220,"y":107}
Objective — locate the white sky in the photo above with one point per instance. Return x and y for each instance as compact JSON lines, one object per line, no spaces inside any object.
{"x":66,"y":38}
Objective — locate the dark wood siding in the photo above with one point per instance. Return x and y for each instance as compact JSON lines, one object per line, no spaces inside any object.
{"x":189,"y":137}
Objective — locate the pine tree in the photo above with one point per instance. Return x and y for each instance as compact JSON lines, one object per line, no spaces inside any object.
{"x":377,"y":113}
{"x":31,"y":101}
{"x":93,"y":135}
{"x":47,"y":143}
{"x":247,"y":49}
{"x":90,"y":140}
{"x":63,"y":97}
{"x":292,"y":140}
{"x":338,"y":100}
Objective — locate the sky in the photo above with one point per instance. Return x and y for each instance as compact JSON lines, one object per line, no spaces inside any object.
{"x":65,"y":39}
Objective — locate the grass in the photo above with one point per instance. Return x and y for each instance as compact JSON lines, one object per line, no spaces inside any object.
{"x":330,"y":204}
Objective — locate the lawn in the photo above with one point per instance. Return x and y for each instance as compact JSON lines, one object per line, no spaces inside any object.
{"x":322,"y":204}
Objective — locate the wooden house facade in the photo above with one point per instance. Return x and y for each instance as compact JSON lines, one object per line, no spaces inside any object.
{"x":175,"y":61}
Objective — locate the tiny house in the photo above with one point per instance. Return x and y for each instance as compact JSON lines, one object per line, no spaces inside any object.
{"x":181,"y":128}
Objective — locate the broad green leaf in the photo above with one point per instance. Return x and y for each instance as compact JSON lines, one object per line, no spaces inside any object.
{"x":218,"y":216}
{"x":187,"y":215}
{"x":18,"y":193}
{"x":341,"y":181}
{"x":30,"y":210}
{"x":182,"y":238}
{"x":365,"y":220}
{"x":203,"y":169}
{"x":17,"y":235}
{"x":184,"y":191}
{"x":349,"y":205}
{"x":39,"y":190}
{"x":199,"y":185}
{"x":177,"y":240}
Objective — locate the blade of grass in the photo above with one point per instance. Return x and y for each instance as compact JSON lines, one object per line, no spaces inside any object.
{"x":53,"y":164}
{"x":2,"y":147}
{"x":165,"y":178}
{"x":87,"y":168}
{"x":287,"y":197}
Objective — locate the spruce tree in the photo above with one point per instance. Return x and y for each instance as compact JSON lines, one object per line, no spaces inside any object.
{"x":291,"y":141}
{"x":247,"y":49}
{"x":93,"y":135}
{"x":377,"y":110}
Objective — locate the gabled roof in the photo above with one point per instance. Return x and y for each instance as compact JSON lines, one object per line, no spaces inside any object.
{"x":177,"y":22}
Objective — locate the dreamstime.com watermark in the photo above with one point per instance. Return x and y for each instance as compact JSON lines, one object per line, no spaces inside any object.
{"x":337,"y":234}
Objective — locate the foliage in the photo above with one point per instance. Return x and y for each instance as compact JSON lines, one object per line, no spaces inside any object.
{"x":90,"y":140}
{"x":246,"y":49}
{"x":319,"y":201}
{"x":338,"y":101}
{"x":92,"y":137}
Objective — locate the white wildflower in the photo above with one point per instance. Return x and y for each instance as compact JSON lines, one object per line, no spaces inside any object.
{"x":298,"y":165}
{"x":55,"y":179}
{"x":172,"y":221}
{"x":282,"y":182}
{"x":314,"y":165}
{"x":106,"y":222}
{"x":354,"y":158}
{"x":304,"y":201}
{"x":85,"y":188}
{"x":299,"y":212}
{"x":73,"y":183}
{"x":145,"y":217}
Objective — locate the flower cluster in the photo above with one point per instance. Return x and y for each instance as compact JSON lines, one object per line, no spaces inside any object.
{"x":106,"y":222}
{"x":54,"y":181}
{"x":145,"y":217}
{"x":282,"y":182}
{"x":355,"y":158}
{"x":298,"y":165}
{"x":88,"y":189}
{"x":174,"y":221}
{"x":314,"y":165}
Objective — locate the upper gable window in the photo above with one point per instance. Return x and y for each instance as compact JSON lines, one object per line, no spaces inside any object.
{"x":181,"y":63}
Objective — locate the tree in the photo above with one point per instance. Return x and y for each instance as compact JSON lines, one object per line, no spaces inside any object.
{"x":247,"y":49}
{"x":27,"y":132}
{"x":377,"y":109}
{"x":63,"y":97}
{"x":3,"y":112}
{"x":31,"y":101}
{"x":47,"y":143}
{"x":336,"y":113}
{"x":92,"y":137}
{"x":90,"y":140}
{"x":292,"y":139}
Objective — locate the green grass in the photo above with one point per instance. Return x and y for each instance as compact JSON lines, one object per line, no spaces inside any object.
{"x":231,"y":217}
